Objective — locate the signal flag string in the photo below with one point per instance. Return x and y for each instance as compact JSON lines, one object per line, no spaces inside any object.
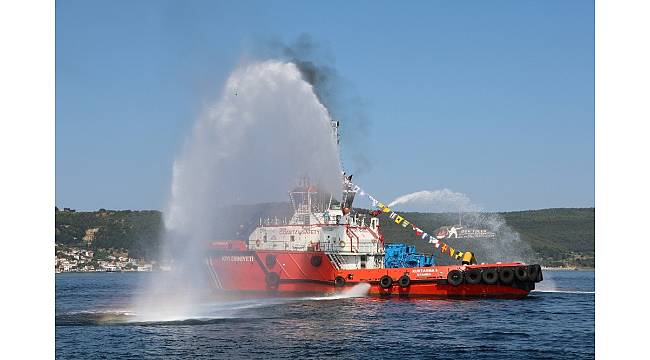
{"x":465,"y":256}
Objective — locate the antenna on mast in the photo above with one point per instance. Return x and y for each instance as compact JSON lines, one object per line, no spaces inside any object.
{"x":335,"y":130}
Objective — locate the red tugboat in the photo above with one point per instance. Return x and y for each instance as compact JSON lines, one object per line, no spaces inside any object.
{"x":325,"y":248}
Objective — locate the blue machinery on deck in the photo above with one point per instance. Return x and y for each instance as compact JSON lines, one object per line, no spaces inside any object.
{"x":405,"y":256}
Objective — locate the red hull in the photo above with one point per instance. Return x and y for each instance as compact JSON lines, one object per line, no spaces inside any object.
{"x":286,"y":273}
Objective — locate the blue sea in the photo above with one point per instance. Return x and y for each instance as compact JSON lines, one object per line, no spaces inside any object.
{"x":95,"y":319}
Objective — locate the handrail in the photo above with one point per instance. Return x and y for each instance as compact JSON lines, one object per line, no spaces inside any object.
{"x":351,"y":233}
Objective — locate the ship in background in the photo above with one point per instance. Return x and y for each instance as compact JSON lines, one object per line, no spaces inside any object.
{"x":326,"y":247}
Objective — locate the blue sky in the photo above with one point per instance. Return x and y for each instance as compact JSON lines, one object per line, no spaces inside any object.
{"x":494,"y":99}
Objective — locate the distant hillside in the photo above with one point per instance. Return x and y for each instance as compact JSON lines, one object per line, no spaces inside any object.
{"x":136,"y":231}
{"x":557,"y":234}
{"x":554,"y":237}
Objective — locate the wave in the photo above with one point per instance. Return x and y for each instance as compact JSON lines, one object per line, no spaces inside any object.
{"x":206,"y":313}
{"x":564,"y":291}
{"x":82,"y":318}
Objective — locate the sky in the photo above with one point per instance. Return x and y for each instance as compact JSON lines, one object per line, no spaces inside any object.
{"x":492,"y":99}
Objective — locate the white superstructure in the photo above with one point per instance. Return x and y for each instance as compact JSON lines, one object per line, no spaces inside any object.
{"x":320,"y":223}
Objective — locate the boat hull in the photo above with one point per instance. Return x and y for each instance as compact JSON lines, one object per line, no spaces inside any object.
{"x":244,"y":272}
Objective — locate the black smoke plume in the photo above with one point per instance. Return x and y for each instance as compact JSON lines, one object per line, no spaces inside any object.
{"x":315,"y":67}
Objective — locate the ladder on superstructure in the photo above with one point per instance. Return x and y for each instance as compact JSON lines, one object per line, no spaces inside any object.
{"x":336,"y":259}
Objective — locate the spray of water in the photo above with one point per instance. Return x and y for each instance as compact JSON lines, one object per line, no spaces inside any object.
{"x":506,"y":246}
{"x":208,"y":310}
{"x":443,"y":200}
{"x":358,"y":290}
{"x":267,"y":129}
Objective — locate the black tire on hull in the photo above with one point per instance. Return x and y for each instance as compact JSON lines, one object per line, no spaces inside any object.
{"x":455,"y":277}
{"x":535,"y":273}
{"x":386,"y":282}
{"x":506,"y":275}
{"x":339,"y":281}
{"x":316,"y":260}
{"x":404,"y":281}
{"x":522,"y":273}
{"x":490,"y":276}
{"x":473,"y":276}
{"x":272,"y":280}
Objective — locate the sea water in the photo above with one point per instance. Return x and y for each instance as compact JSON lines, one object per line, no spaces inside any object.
{"x":94,"y":319}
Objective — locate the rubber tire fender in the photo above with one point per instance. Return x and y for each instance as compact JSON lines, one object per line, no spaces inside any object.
{"x":339,"y":281}
{"x":535,"y":273}
{"x":473,"y":276}
{"x":272,"y":280}
{"x":506,"y":275}
{"x":490,"y":276}
{"x":404,"y":281}
{"x":455,"y":277}
{"x":522,"y":273}
{"x":316,"y":260}
{"x":386,"y":282}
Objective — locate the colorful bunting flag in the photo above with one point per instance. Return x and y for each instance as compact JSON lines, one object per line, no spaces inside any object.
{"x":398,"y":219}
{"x":418,"y":231}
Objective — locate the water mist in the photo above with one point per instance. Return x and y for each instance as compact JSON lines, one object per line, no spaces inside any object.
{"x":267,"y":129}
{"x":506,"y":246}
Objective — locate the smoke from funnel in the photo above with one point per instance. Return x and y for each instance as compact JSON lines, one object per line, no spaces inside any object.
{"x":329,"y":88}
